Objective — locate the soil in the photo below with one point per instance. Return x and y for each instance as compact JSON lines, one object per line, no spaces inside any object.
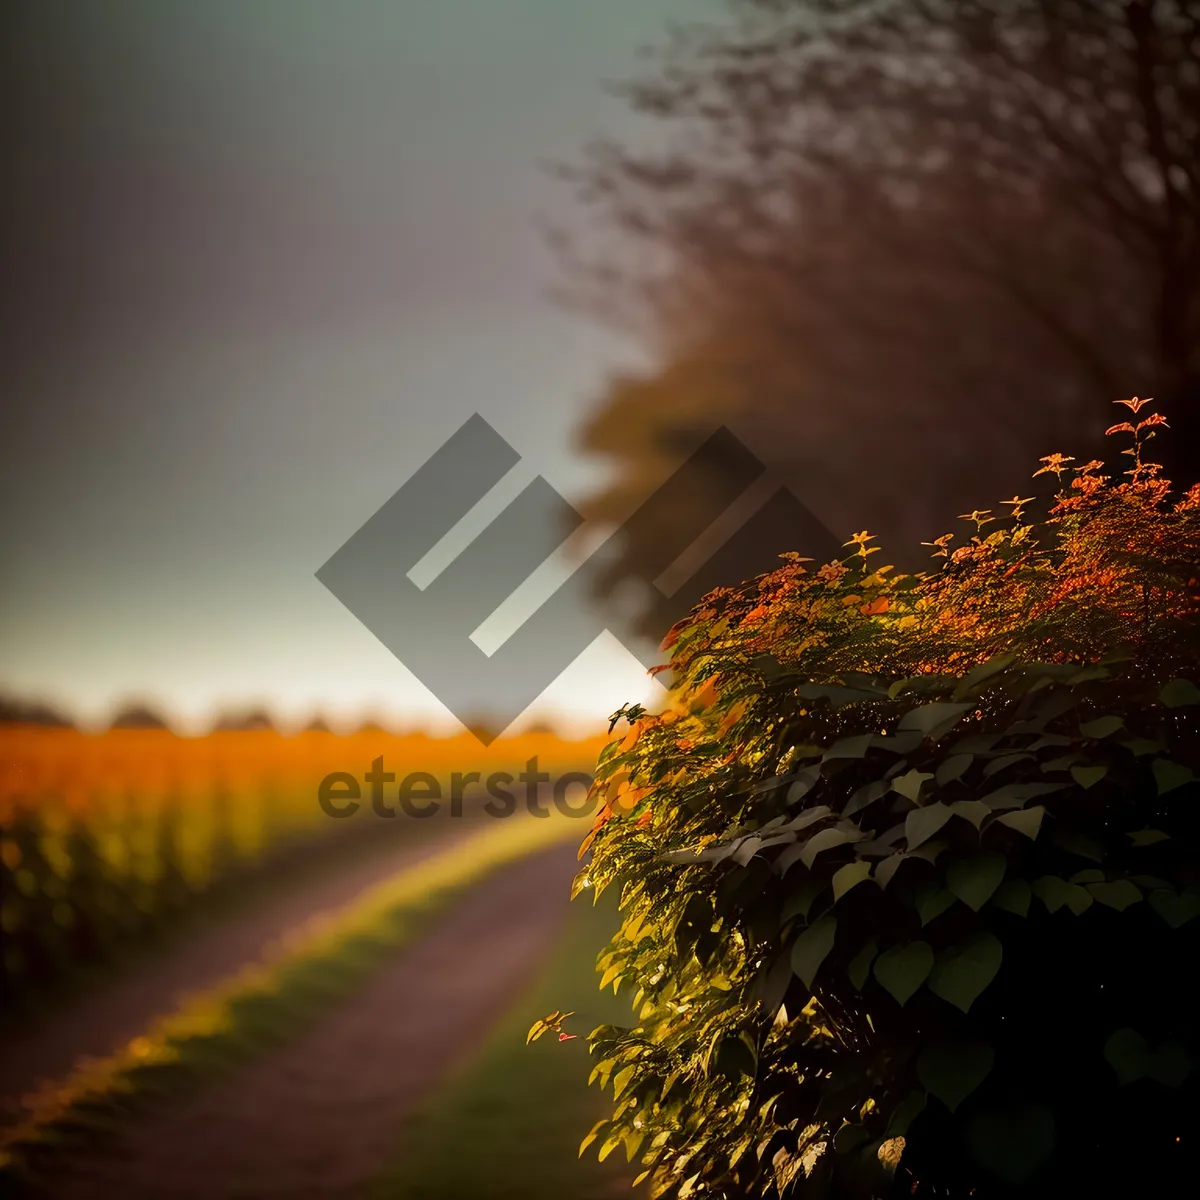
{"x":323,"y":1116}
{"x":118,"y":1009}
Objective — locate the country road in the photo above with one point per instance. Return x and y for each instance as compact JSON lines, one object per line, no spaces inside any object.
{"x":119,"y":1009}
{"x":323,"y":1115}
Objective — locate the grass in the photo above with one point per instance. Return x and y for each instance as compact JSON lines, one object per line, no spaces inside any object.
{"x":291,"y":865}
{"x":261,"y":1006}
{"x":509,"y":1124}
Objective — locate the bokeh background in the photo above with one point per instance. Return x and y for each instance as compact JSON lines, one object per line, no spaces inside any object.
{"x":264,"y":260}
{"x":260,"y":262}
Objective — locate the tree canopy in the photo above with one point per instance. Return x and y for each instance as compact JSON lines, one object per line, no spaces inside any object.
{"x":883,"y":233}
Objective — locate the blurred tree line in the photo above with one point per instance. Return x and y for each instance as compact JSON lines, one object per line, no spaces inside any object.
{"x":886,"y":234}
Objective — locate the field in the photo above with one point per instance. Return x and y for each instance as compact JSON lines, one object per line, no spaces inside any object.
{"x":181,"y":917}
{"x":107,"y":839}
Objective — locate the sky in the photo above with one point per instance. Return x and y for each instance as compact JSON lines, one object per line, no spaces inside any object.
{"x":264,"y":260}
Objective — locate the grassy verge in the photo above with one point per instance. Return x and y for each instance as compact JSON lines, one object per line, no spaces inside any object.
{"x":264,"y":1004}
{"x":292,"y":865}
{"x":510,"y":1123}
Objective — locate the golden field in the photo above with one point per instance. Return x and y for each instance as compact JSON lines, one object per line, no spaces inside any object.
{"x":106,"y":837}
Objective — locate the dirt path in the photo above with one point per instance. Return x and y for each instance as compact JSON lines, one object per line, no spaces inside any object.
{"x":120,"y":1009}
{"x":321,"y":1118}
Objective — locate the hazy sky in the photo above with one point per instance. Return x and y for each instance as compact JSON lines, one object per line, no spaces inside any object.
{"x":266,"y":257}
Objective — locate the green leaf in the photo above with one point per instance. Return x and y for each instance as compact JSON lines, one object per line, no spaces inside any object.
{"x":905,"y":1113}
{"x":1139,"y":746}
{"x":952,"y":1070}
{"x":1150,"y":882}
{"x":1130,"y":1056}
{"x":909,"y":784}
{"x":1147,"y":837}
{"x":849,"y":1138}
{"x":971,"y":810}
{"x":633,"y":1143}
{"x":746,"y":848}
{"x":982,"y":673}
{"x":801,"y":900}
{"x":773,"y":984}
{"x":849,"y":876}
{"x":1004,"y":762}
{"x":902,"y":969}
{"x":1024,"y":820}
{"x":1179,"y":693}
{"x":1080,"y":844}
{"x":961,"y":974}
{"x":811,"y":949}
{"x":621,"y":1081}
{"x":1101,"y":727}
{"x":1014,"y":795}
{"x":806,"y":779}
{"x":1050,"y":739}
{"x":809,"y":817}
{"x":1118,"y":894}
{"x":922,"y":823}
{"x":1012,"y":1142}
{"x":928,"y":717}
{"x":1065,"y":763}
{"x":591,"y":1137}
{"x":1054,"y":893}
{"x":1088,"y":777}
{"x":953,"y":768}
{"x":611,"y":1142}
{"x":849,"y":747}
{"x":932,"y":902}
{"x":826,"y":839}
{"x":1013,"y":896}
{"x":860,"y":965}
{"x":973,"y":880}
{"x":897,"y":743}
{"x":887,"y":868}
{"x":1169,"y":775}
{"x":929,"y":851}
{"x":836,"y":694}
{"x":866,"y":795}
{"x":1175,"y":909}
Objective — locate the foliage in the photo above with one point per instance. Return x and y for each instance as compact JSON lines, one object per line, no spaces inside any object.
{"x":909,"y":866}
{"x":866,"y":225}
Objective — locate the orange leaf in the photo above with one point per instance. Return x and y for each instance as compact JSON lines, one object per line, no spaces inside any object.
{"x":1135,"y":403}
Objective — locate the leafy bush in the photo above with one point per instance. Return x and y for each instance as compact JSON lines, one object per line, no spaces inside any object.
{"x":909,"y":866}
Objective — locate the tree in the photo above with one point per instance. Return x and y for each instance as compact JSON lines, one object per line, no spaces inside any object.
{"x":15,"y":711}
{"x":907,"y":867}
{"x":889,"y":232}
{"x":138,"y":715}
{"x":251,"y":720}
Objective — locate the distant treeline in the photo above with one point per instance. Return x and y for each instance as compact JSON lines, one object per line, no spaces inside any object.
{"x":141,"y":715}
